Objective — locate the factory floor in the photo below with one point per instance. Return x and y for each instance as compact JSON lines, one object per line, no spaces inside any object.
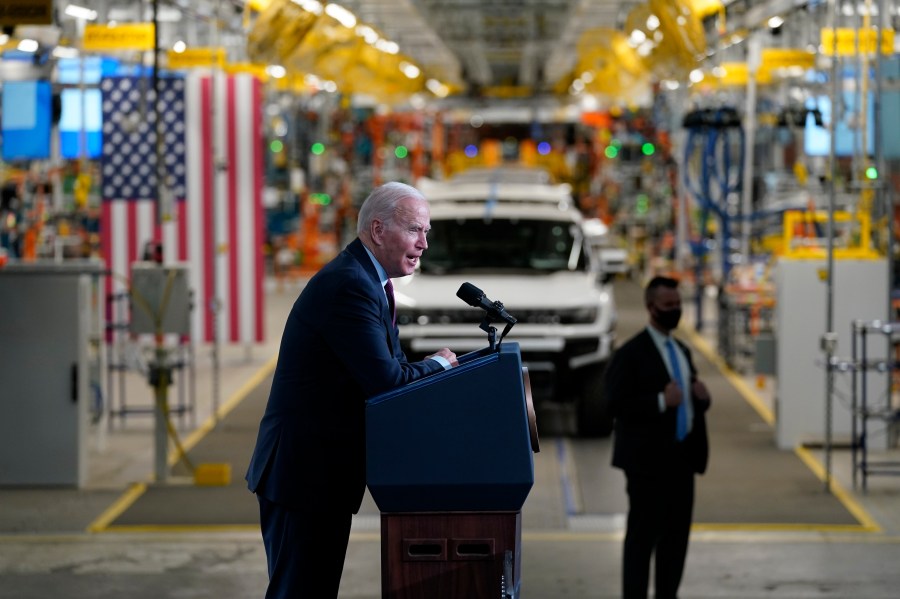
{"x":766,"y":522}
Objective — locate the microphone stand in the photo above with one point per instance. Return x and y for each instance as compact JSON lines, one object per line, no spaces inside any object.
{"x":491,"y":330}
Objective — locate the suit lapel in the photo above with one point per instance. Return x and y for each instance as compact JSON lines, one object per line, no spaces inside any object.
{"x":358,"y":250}
{"x":655,"y":365}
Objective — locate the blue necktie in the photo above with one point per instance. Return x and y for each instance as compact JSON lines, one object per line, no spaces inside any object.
{"x":681,"y":419}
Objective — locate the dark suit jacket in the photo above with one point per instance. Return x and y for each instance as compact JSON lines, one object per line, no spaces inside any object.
{"x":644,"y":436}
{"x":338,"y":348}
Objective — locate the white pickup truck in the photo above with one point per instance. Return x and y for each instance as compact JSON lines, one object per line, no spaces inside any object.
{"x":523,"y":244}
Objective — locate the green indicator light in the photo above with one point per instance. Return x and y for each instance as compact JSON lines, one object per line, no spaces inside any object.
{"x":276,"y":146}
{"x":318,"y":148}
{"x":648,"y":149}
{"x":642,"y":204}
{"x":871,"y":173}
{"x":611,"y":151}
{"x":322,"y":199}
{"x":401,"y":152}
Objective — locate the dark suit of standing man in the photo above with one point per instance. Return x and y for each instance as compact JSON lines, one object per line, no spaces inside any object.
{"x":659,"y":461}
{"x":340,"y":346}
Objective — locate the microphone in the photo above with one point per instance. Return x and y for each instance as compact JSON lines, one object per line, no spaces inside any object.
{"x":474,"y":296}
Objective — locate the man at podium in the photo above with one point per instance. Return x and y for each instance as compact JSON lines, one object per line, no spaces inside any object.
{"x":340,"y":346}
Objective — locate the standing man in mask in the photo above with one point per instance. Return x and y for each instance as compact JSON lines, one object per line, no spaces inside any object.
{"x":659,"y":407}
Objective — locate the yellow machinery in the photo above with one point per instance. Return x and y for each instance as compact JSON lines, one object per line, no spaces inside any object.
{"x":853,"y":235}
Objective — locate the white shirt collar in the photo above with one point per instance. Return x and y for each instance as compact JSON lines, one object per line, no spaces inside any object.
{"x":658,"y":336}
{"x":382,"y":274}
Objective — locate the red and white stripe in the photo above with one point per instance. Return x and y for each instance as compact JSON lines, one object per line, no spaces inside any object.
{"x":218,"y":228}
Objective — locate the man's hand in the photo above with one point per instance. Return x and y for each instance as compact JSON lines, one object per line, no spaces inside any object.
{"x":447,"y":355}
{"x":672,"y":394}
{"x":700,"y":394}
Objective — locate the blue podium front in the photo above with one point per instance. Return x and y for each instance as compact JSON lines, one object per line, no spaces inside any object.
{"x":459,"y":440}
{"x":450,"y":463}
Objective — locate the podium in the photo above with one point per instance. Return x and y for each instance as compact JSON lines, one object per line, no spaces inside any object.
{"x":449,"y":462}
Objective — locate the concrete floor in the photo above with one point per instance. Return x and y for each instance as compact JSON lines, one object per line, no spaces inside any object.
{"x":556,"y":564}
{"x":42,"y":555}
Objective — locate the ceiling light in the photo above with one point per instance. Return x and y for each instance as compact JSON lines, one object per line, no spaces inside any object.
{"x":589,"y":103}
{"x":437,"y":88}
{"x":387,"y":46}
{"x":696,"y":76}
{"x":28,"y":46}
{"x":276,"y":71}
{"x":312,"y":81}
{"x":341,"y":15}
{"x":775,"y":22}
{"x":637,"y":38}
{"x":367,"y":33}
{"x":417,"y":102}
{"x":65,"y":52}
{"x":310,"y":6}
{"x":168,"y":14}
{"x":410,"y":70}
{"x":80,"y":12}
{"x":179,"y":46}
{"x":652,"y":22}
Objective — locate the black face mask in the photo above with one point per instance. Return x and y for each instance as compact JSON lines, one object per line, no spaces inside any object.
{"x":668,"y":319}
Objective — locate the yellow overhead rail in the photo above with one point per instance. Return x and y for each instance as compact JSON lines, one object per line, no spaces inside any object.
{"x":852,"y":41}
{"x":775,"y":64}
{"x":124,"y":36}
{"x":705,"y":8}
{"x":668,"y":35}
{"x":607,"y":64}
{"x":333,"y":51}
{"x":190,"y":58}
{"x":278,"y":30}
{"x":325,"y":40}
{"x":661,"y":38}
{"x":682,"y":27}
{"x":257,"y":5}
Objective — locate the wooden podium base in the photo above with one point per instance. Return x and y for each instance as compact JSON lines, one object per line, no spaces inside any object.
{"x":448,"y":555}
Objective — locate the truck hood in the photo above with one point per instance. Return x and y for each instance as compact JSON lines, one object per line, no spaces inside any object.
{"x":559,"y":290}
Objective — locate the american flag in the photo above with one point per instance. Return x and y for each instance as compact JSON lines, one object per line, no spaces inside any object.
{"x":216,"y":220}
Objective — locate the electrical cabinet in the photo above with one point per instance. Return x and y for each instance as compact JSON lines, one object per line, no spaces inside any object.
{"x":48,"y":324}
{"x":860,"y":291}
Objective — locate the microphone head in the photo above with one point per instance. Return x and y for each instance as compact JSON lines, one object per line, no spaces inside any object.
{"x":470,"y":294}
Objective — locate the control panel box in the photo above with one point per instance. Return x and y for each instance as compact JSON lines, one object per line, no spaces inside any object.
{"x":160,"y":299}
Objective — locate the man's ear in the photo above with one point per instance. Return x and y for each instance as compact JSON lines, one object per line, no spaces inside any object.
{"x":376,"y":229}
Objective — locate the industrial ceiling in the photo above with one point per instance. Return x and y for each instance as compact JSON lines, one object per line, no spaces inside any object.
{"x":477,"y":48}
{"x":509,"y":43}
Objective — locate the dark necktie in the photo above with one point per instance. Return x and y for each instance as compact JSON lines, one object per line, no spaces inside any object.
{"x":389,"y":291}
{"x":681,"y":422}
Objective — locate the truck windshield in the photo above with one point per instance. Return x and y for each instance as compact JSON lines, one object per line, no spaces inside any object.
{"x":503,"y":245}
